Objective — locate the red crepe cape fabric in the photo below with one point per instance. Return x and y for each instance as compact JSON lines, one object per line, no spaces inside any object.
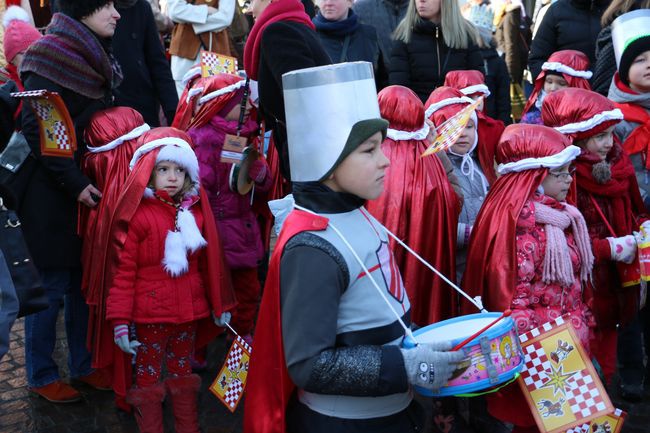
{"x":269,"y":386}
{"x":278,"y":10}
{"x":421,"y":208}
{"x":489,"y":133}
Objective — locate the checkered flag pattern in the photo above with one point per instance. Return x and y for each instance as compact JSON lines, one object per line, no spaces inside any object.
{"x":43,"y":109}
{"x":584,"y":428}
{"x":29,"y":93}
{"x":61,"y":136}
{"x":214,"y":63}
{"x":533,"y":333}
{"x":583,"y":396}
{"x":536,"y":363}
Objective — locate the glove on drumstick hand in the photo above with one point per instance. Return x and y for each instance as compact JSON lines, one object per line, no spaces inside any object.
{"x":430,"y":365}
{"x":257,"y":171}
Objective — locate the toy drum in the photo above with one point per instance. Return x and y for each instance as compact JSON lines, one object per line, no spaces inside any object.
{"x":494,"y":356}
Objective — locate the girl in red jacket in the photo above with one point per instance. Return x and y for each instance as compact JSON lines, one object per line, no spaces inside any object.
{"x":170,"y":277}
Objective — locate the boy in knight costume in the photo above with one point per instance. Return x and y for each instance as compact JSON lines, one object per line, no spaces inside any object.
{"x":327,"y":355}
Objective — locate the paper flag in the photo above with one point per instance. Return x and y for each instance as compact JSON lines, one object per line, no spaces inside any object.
{"x":230,"y":382}
{"x":213,"y":64}
{"x":448,"y":132}
{"x":611,"y":423}
{"x":558,"y":380}
{"x":54,"y":123}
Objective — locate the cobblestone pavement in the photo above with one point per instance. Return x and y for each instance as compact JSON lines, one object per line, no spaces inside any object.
{"x":22,"y":412}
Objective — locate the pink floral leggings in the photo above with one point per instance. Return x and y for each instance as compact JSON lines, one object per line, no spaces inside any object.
{"x":173,"y":342}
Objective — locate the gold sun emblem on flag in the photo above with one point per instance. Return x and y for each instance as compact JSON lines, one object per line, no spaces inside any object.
{"x":557,"y":379}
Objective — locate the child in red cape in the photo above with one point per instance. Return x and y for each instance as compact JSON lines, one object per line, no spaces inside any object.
{"x":565,"y":68}
{"x":170,"y":282}
{"x":530,"y":250}
{"x":608,"y":196}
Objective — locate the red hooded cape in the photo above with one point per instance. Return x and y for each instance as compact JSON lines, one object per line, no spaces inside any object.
{"x":420,"y":207}
{"x":572,"y":58}
{"x":269,"y":386}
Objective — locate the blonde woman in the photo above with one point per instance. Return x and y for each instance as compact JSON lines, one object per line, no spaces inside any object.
{"x":431,"y":40}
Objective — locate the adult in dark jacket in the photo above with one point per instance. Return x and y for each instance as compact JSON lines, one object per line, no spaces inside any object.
{"x":384,"y":16}
{"x":347,"y":40}
{"x":605,"y":65}
{"x":282,"y":40}
{"x":148,"y":81}
{"x":73,"y":59}
{"x":568,"y":25}
{"x":431,"y":40}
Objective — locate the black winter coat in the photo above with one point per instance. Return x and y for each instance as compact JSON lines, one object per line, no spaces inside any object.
{"x":49,"y":210}
{"x":286,"y":46}
{"x":421,"y":65}
{"x":148,"y":81}
{"x":497,"y":105}
{"x":567,"y":25}
{"x":363,"y":46}
{"x":8,"y":107}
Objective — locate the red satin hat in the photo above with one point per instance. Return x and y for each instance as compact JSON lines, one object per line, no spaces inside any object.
{"x":443,"y":103}
{"x":402,"y":108}
{"x":108,"y":125}
{"x":579,"y":113}
{"x":469,"y":82}
{"x":521,"y":141}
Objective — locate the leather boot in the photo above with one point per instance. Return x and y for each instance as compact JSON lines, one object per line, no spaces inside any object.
{"x":147,"y":407}
{"x":184,"y":392}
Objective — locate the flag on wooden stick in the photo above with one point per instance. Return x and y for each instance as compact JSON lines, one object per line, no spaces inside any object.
{"x":213,"y":64}
{"x":231,"y":380}
{"x":449,"y":132}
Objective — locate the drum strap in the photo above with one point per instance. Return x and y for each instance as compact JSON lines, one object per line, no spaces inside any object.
{"x":244,"y":101}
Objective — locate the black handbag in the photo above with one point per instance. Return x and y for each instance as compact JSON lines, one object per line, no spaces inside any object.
{"x":32,"y":297}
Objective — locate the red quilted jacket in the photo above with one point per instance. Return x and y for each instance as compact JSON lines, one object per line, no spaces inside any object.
{"x":142,"y":291}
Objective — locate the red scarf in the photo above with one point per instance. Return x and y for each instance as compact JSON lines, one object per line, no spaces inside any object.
{"x":621,"y":190}
{"x":639,"y":140}
{"x":278,"y":10}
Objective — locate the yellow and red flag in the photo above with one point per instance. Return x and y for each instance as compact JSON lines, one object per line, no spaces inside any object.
{"x":448,"y":132}
{"x":213,"y":64}
{"x":230,"y":383}
{"x":54,"y":122}
{"x":559,"y":381}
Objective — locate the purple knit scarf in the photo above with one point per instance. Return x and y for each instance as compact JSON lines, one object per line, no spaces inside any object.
{"x":557,"y":261}
{"x":71,"y":56}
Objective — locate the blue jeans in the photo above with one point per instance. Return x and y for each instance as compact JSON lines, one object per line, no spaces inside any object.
{"x":61,"y":285}
{"x":8,"y":305}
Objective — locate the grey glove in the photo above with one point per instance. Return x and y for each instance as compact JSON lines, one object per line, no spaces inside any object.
{"x":223,"y":319}
{"x":121,"y":338}
{"x":430,"y":365}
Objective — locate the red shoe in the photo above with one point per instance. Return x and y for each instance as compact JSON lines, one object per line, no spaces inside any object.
{"x":98,"y":380}
{"x":58,"y":392}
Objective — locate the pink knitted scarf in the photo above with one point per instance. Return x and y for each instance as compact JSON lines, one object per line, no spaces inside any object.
{"x":557,"y":261}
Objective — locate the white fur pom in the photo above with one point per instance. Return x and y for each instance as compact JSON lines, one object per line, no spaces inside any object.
{"x":192,"y":238}
{"x":14,"y":13}
{"x":175,"y":260}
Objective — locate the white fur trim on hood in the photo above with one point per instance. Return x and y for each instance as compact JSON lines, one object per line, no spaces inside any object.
{"x":175,"y":149}
{"x":134,"y":133}
{"x":586,"y":125}
{"x":564,"y":69}
{"x":190,"y":74}
{"x":553,"y":161}
{"x":222,"y":91}
{"x":445,"y":102}
{"x":476,"y":88}
{"x":420,"y":134}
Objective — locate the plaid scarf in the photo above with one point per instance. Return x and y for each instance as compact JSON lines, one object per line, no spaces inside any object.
{"x":72,"y":56}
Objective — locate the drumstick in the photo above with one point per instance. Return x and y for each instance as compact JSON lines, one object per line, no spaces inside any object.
{"x":506,"y":313}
